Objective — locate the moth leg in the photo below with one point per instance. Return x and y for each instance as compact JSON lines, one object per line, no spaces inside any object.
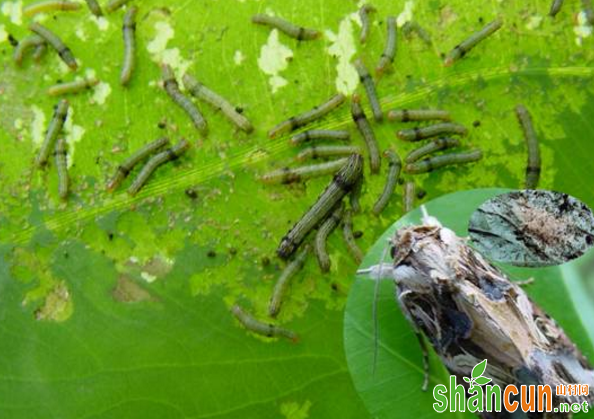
{"x":524,"y":282}
{"x":381,"y":271}
{"x":425,"y":353}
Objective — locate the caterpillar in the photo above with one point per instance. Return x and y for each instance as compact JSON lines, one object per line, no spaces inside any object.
{"x":305,"y":118}
{"x":369,"y":86}
{"x":280,"y":288}
{"x":416,"y":134}
{"x":265,"y":329}
{"x":409,"y":27}
{"x":366,"y":131}
{"x":298,"y":174}
{"x":387,"y":57}
{"x":49,"y":6}
{"x":156,"y":161}
{"x":114,"y":5}
{"x":202,"y":92}
{"x":319,"y":134}
{"x":298,"y":32}
{"x":128,"y":32}
{"x":555,"y":7}
{"x":364,"y":13}
{"x":127,"y":165}
{"x":327,"y":227}
{"x":51,"y":38}
{"x":172,"y":89}
{"x":533,"y":166}
{"x":94,"y":7}
{"x":394,"y":167}
{"x":342,"y":184}
{"x":60,"y":156}
{"x":465,"y":46}
{"x":347,"y":234}
{"x":409,"y":196}
{"x":436,"y":162}
{"x":315,"y":152}
{"x":407,"y":115}
{"x":72,"y":87}
{"x":33,"y":41}
{"x":53,"y":130}
{"x":431,"y":147}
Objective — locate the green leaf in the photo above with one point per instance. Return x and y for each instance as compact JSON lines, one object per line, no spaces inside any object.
{"x":466,"y":379}
{"x":479,"y":369}
{"x":398,"y":376}
{"x":110,"y":305}
{"x":482,"y":380}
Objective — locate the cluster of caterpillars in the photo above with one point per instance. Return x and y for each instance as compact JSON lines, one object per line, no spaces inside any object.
{"x":346,"y":164}
{"x":42,"y":37}
{"x":346,"y":161}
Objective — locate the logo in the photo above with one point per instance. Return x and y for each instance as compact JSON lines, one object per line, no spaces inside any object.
{"x":488,"y":397}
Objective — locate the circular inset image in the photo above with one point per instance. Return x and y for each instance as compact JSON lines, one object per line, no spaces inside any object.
{"x":532,"y":228}
{"x":385,"y":337}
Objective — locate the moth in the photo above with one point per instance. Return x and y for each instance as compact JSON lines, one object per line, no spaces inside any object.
{"x":469,"y":311}
{"x":532,"y":228}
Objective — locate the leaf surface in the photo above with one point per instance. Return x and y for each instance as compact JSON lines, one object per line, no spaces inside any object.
{"x":118,"y":306}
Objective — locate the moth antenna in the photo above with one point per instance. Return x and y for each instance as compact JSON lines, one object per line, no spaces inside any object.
{"x":428,"y":219}
{"x":425,"y":353}
{"x":385,"y":268}
{"x":374,"y":308}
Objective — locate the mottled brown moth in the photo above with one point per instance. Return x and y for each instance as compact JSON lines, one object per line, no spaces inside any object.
{"x":469,"y":311}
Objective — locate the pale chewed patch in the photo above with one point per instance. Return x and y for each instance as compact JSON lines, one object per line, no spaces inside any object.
{"x":532,"y":228}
